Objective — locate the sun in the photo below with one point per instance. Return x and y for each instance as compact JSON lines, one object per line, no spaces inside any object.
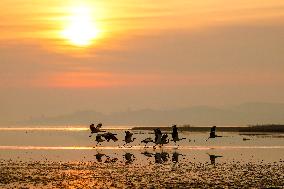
{"x":81,"y":29}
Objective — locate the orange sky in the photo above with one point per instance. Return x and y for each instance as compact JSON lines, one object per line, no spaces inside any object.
{"x":179,"y":47}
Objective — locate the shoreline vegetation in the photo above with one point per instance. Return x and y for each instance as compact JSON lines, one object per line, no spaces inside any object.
{"x":249,"y":128}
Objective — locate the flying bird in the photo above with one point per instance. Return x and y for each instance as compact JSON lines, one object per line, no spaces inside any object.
{"x":99,"y":138}
{"x":158,"y":136}
{"x":110,"y":136}
{"x":96,"y":129}
{"x":175,"y":137}
{"x":164,"y":139}
{"x":147,"y":140}
{"x":128,"y":137}
{"x":160,"y":139}
{"x":213,"y":133}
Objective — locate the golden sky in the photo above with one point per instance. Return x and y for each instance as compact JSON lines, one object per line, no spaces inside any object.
{"x":44,"y":21}
{"x":113,"y":49}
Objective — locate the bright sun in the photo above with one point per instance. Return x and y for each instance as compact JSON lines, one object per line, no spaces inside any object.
{"x":81,"y":29}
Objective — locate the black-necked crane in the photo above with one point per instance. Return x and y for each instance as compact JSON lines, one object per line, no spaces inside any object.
{"x":99,"y":139}
{"x":96,"y":129}
{"x":128,"y":137}
{"x":147,"y":140}
{"x":213,"y":133}
{"x":109,"y":136}
{"x":175,"y":136}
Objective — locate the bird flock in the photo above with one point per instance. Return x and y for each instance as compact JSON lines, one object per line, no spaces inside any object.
{"x":159,"y":140}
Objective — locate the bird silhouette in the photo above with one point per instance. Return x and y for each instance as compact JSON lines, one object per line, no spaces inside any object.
{"x":158,"y":136}
{"x":160,"y":139}
{"x":99,"y":139}
{"x":109,"y":136}
{"x":213,"y":133}
{"x":164,"y":139}
{"x":175,"y":137}
{"x":95,"y":129}
{"x":147,"y":140}
{"x":128,"y":137}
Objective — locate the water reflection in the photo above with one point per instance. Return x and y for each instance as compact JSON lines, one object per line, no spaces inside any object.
{"x":213,"y":158}
{"x":99,"y":157}
{"x":161,"y":157}
{"x":158,"y":157}
{"x":129,"y":158}
{"x":175,"y":157}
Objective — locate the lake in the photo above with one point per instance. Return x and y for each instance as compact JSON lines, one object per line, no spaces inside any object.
{"x":74,"y":144}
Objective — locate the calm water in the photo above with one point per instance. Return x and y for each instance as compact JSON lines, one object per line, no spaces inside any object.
{"x":74,"y":144}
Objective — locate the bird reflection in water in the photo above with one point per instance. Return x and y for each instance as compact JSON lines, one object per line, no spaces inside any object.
{"x":175,"y":157}
{"x":161,"y":157}
{"x":213,"y":158}
{"x":111,"y":160}
{"x":99,"y":157}
{"x":147,"y":154}
{"x":129,"y":158}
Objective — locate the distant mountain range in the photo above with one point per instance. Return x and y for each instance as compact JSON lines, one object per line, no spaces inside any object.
{"x":244,"y":114}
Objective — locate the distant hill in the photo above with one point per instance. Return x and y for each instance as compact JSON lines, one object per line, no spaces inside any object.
{"x":244,"y":114}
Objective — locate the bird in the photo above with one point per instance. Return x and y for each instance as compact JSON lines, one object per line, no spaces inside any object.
{"x":99,"y":138}
{"x":128,"y":137}
{"x":164,"y":139}
{"x":109,"y":136}
{"x":95,"y":129}
{"x":213,"y":158}
{"x":175,"y":134}
{"x":160,"y":139}
{"x":213,"y":133}
{"x":158,"y":136}
{"x":147,"y":140}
